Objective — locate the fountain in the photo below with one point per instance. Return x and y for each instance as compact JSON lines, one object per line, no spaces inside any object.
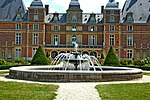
{"x":74,"y":67}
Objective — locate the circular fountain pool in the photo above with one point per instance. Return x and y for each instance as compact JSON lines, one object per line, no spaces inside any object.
{"x":74,"y":67}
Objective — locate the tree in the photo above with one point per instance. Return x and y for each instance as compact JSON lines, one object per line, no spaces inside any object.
{"x":40,"y":58}
{"x":111,"y":59}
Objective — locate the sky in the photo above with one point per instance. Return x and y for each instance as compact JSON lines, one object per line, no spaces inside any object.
{"x":87,"y":6}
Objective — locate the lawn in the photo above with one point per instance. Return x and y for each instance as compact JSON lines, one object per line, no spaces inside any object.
{"x":124,"y":91}
{"x":147,"y":74}
{"x":3,"y":72}
{"x":26,"y":91}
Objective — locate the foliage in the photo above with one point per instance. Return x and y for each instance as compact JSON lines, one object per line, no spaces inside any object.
{"x":2,"y":61}
{"x":139,"y":62}
{"x":124,"y":91}
{"x":40,"y":58}
{"x":126,"y":62}
{"x":26,"y":91}
{"x":111,"y":59}
{"x":21,"y":61}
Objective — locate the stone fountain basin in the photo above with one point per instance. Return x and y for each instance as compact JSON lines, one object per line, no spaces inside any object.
{"x":42,"y":74}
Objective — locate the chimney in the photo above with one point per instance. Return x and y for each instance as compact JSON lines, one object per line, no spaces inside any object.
{"x":102,"y":9}
{"x":47,"y":9}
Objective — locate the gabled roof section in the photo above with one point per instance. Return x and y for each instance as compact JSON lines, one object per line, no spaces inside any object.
{"x":140,"y":9}
{"x":8,"y":9}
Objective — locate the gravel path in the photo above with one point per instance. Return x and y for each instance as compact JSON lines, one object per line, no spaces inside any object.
{"x":77,"y":91}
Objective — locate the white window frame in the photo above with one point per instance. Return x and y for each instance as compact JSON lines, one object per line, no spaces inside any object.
{"x":92,"y":40}
{"x":18,"y":38}
{"x":35,"y":38}
{"x":129,"y":53}
{"x":111,"y":40}
{"x":129,"y":40}
{"x":9,"y":54}
{"x":3,"y":54}
{"x":74,"y":40}
{"x":55,"y":39}
{"x":17,"y":52}
{"x":18,"y":26}
{"x":74,"y":28}
{"x":36,"y":27}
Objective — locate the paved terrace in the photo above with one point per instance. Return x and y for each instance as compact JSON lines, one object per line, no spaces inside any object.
{"x":78,"y":91}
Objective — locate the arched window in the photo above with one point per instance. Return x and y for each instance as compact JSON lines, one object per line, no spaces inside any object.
{"x":74,"y":18}
{"x":74,"y":40}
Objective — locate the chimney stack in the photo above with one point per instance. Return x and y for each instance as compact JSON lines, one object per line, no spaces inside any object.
{"x":47,"y":9}
{"x":102,"y":9}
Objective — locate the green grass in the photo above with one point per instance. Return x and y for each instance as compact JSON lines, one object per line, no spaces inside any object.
{"x":147,"y":74}
{"x":26,"y":91}
{"x":3,"y":72}
{"x":124,"y":91}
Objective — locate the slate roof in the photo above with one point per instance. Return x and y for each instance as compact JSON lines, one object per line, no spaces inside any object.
{"x":85,"y":18}
{"x":8,"y":9}
{"x":139,"y":8}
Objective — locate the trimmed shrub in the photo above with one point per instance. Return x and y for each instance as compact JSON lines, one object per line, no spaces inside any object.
{"x":3,"y":61}
{"x":111,"y":59}
{"x":139,"y":62}
{"x":21,"y":61}
{"x":40,"y":58}
{"x":123,"y":62}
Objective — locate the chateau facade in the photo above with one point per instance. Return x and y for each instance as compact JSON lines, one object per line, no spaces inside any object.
{"x":126,"y":30}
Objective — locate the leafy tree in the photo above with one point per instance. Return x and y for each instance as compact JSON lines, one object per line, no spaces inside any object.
{"x":111,"y":59}
{"x":3,"y":61}
{"x":40,"y":58}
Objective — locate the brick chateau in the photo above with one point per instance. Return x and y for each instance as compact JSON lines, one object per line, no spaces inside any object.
{"x":126,"y":29}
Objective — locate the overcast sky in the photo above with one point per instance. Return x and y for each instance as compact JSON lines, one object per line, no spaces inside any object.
{"x":87,"y":6}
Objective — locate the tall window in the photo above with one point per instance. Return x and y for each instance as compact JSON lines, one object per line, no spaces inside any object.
{"x":55,"y":40}
{"x":18,"y":26}
{"x":18,"y":38}
{"x":36,"y":26}
{"x":112,"y":19}
{"x":9,"y":54}
{"x":34,"y":51}
{"x":129,"y":53}
{"x":36,"y":17}
{"x":129,"y":40}
{"x":130,"y":28}
{"x":112,"y":40}
{"x":18,"y":53}
{"x":92,"y":40}
{"x":35,"y":38}
{"x":74,"y":40}
{"x":74,"y":18}
{"x":3,"y":54}
{"x":55,"y":28}
{"x":112,"y":28}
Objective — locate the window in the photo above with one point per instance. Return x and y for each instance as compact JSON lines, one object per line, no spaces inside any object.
{"x":112,"y":28}
{"x":34,"y":51}
{"x":55,"y":28}
{"x":9,"y":54}
{"x":74,"y":40}
{"x":129,"y":54}
{"x":92,"y":40}
{"x":3,"y":54}
{"x":130,"y":28}
{"x":36,"y":26}
{"x":18,"y":53}
{"x":74,"y":18}
{"x":112,"y":16}
{"x":74,"y":28}
{"x":92,"y":28}
{"x":112,"y":40}
{"x":55,"y":40}
{"x":36,"y":11}
{"x":35,"y":38}
{"x":129,"y":40}
{"x":18,"y":38}
{"x":36,"y":17}
{"x":18,"y":26}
